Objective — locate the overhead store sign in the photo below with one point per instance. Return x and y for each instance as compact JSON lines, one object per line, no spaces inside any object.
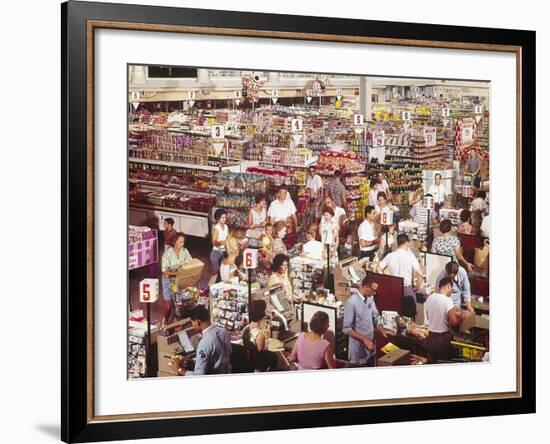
{"x":430,"y":136}
{"x":218,"y":131}
{"x":358,"y":119}
{"x":478,"y":109}
{"x":406,"y":115}
{"x":446,"y":112}
{"x":297,"y":125}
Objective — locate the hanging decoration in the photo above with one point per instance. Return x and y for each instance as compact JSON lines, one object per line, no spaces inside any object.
{"x":251,"y":87}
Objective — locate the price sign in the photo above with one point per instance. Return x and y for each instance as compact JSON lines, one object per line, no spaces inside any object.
{"x":135,"y":95}
{"x":406,"y":115}
{"x":446,"y":112}
{"x":297,"y":125}
{"x":377,"y":139}
{"x":478,"y":109}
{"x":238,"y":94}
{"x":386,"y":216}
{"x":326,"y":235}
{"x":467,"y":132}
{"x":218,"y":131}
{"x":191,"y":95}
{"x":148,"y":290}
{"x":358,"y":119}
{"x":250,"y":258}
{"x":430,"y":136}
{"x":429,"y":203}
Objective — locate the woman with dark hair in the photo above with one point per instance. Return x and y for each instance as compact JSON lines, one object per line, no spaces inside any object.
{"x":331,"y":230}
{"x":449,"y":244}
{"x":311,"y":351}
{"x":220,"y":233}
{"x":257,"y":215}
{"x":256,"y":338}
{"x":375,"y":188}
{"x":280,"y":274}
{"x":172,"y":260}
{"x":466,"y":226}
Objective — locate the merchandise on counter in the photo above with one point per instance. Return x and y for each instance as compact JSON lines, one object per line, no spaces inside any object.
{"x":306,"y":274}
{"x":229,"y":306}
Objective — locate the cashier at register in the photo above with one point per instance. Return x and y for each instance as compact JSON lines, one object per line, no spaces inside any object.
{"x":360,"y":321}
{"x":461,"y":284}
{"x":214,"y":349}
{"x":280,"y":274}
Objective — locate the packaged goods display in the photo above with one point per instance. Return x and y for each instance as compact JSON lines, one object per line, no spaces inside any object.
{"x":229,"y":306}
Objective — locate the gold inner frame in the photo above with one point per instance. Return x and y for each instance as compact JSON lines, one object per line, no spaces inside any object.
{"x":97,"y":24}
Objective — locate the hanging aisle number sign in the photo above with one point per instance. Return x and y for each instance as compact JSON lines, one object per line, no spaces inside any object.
{"x":358,"y":119}
{"x":406,"y":115}
{"x":274,"y":95}
{"x":386,"y":216}
{"x":148,"y":290}
{"x":339,"y":93}
{"x":134,"y":95}
{"x":446,"y":112}
{"x":377,"y":139}
{"x":250,"y":258}
{"x":430,"y":136}
{"x":218,"y":131}
{"x":191,"y":95}
{"x":297,"y":125}
{"x":467,"y":132}
{"x":238,"y":94}
{"x":478,"y":109}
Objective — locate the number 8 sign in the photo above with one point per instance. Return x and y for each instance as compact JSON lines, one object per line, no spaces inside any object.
{"x":358,"y":119}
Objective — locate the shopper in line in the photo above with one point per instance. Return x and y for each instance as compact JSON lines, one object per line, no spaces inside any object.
{"x":403,"y":263}
{"x":214,"y":349}
{"x":256,"y":338}
{"x":439,"y":193}
{"x":384,"y":187}
{"x":485,"y":228}
{"x":336,"y":190}
{"x":280,"y":275}
{"x":172,"y":260}
{"x":339,"y":217}
{"x":381,"y":203}
{"x":441,"y":314}
{"x":329,"y":232}
{"x":375,"y":188}
{"x":311,"y":351}
{"x":480,"y":203}
{"x":220,"y":233}
{"x":282,"y":208}
{"x":314,"y":184}
{"x":169,"y":233}
{"x":466,"y":226}
{"x":257,"y":215}
{"x":360,"y":322}
{"x":228,"y":266}
{"x":368,"y":238}
{"x":279,"y":232}
{"x":449,"y":244}
{"x":313,"y":249}
{"x":461,"y":284}
{"x":419,"y":212}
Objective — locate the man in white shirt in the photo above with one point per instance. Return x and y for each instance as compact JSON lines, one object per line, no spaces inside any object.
{"x":368,"y":240}
{"x":314,"y":183}
{"x":439,"y":193}
{"x":486,"y":226}
{"x":403,"y":263}
{"x":282,"y":208}
{"x":338,"y":211}
{"x":441,"y":315}
{"x":479,"y":203}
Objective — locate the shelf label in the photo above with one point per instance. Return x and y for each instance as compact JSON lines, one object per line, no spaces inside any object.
{"x":297,"y":125}
{"x":430,"y":136}
{"x":377,"y":139}
{"x":358,"y":119}
{"x":148,"y":290}
{"x":218,"y":131}
{"x":250,"y":258}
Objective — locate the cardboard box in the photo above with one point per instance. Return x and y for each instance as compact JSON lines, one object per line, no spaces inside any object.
{"x":482,"y":322}
{"x":469,"y":322}
{"x":189,"y":274}
{"x":395,"y":357}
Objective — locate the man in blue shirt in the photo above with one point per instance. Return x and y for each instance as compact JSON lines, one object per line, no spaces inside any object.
{"x":461,"y":284}
{"x":360,"y":322}
{"x":214,"y":349}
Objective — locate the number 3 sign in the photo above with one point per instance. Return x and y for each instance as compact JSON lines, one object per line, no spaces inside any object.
{"x":148,"y":290}
{"x":218,"y":131}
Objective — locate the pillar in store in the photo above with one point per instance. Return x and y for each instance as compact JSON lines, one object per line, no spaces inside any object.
{"x":365,"y":97}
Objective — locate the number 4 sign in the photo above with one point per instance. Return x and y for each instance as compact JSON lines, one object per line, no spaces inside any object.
{"x":250,"y":258}
{"x":148,"y":290}
{"x":297,"y":125}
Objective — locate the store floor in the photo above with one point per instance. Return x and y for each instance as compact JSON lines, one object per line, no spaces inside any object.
{"x":198,"y":247}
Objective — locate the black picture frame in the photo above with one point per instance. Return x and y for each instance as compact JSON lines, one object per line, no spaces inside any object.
{"x":77,"y":422}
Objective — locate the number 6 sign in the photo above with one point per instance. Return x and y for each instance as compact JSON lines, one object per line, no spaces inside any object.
{"x":250,"y":258}
{"x":148,"y":290}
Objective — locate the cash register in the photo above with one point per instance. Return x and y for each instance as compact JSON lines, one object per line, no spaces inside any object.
{"x":283,"y":313}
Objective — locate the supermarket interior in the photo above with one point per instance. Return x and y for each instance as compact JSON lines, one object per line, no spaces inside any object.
{"x":283,"y":221}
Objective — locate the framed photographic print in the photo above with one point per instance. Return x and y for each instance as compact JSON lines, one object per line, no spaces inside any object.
{"x":236,"y":184}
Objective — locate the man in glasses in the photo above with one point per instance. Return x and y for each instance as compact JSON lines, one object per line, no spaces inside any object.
{"x":360,"y":321}
{"x":461,"y":284}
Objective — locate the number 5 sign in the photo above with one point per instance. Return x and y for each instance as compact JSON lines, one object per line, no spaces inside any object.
{"x":250,"y":258}
{"x":148,"y":290}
